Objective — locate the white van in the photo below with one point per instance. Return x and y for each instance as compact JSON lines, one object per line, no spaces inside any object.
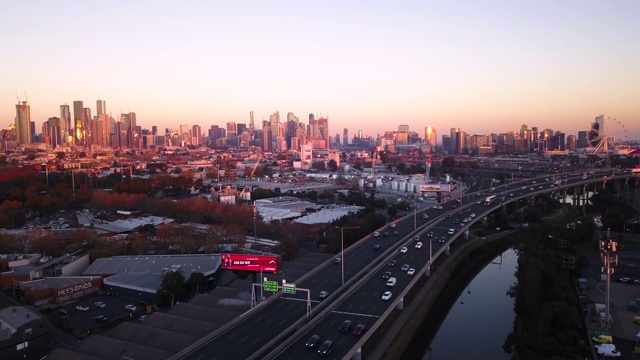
{"x":391,"y":282}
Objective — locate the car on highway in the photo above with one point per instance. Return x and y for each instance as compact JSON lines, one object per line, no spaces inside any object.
{"x":416,"y":238}
{"x":359,"y":329}
{"x":403,"y":249}
{"x":345,"y":326}
{"x":375,"y":234}
{"x":386,"y":275}
{"x":142,"y":318}
{"x":323,"y":295}
{"x":392,"y":263}
{"x":338,"y":260}
{"x":376,"y":247}
{"x":452,"y":231}
{"x":312,"y":342}
{"x":63,"y":312}
{"x":385,"y":234}
{"x":442,"y":239}
{"x":101,"y":319}
{"x":411,"y":271}
{"x":395,"y":233}
{"x":425,"y":216}
{"x":131,"y":307}
{"x":386,"y":295}
{"x":100,"y":304}
{"x":393,"y":225}
{"x":82,"y":308}
{"x":418,"y":245}
{"x":325,"y":348}
{"x":430,"y":234}
{"x":448,"y":215}
{"x":405,"y":267}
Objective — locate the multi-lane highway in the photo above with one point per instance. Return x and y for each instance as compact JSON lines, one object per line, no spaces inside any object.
{"x":361,"y":300}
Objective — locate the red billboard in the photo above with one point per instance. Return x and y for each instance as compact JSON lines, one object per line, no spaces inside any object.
{"x":257,"y":263}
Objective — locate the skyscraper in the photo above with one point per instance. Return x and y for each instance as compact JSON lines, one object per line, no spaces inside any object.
{"x":65,"y":125}
{"x":430,"y":136}
{"x":78,"y":124}
{"x":23,"y":123}
{"x":101,"y":107}
{"x":345,"y":136}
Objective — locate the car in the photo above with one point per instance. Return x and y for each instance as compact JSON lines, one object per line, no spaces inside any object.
{"x":359,"y":329}
{"x":82,"y":308}
{"x":395,"y":233}
{"x":323,"y":295}
{"x":636,"y":319}
{"x":376,"y":234}
{"x":312,"y":341}
{"x":456,"y":221}
{"x":386,"y":275}
{"x":376,"y":247}
{"x":386,"y":295}
{"x":416,"y":238}
{"x":449,"y":215}
{"x":411,"y":271}
{"x":472,"y":215}
{"x":100,"y":304}
{"x":624,"y":280}
{"x":453,"y":206}
{"x":325,"y":348}
{"x":392,"y":263}
{"x":430,"y":234}
{"x":101,"y":319}
{"x":63,"y":312}
{"x":131,"y":307}
{"x":385,"y":234}
{"x":393,"y":225}
{"x":607,"y":350}
{"x":418,"y":245}
{"x":345,"y":326}
{"x":452,"y":231}
{"x":403,"y":249}
{"x":425,"y":216}
{"x":405,"y":267}
{"x":442,"y":240}
{"x":142,"y":318}
{"x":338,"y":260}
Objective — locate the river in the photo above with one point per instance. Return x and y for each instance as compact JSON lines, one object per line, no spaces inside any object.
{"x":479,"y":321}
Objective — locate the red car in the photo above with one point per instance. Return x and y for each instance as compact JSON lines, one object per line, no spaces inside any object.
{"x":359,"y":329}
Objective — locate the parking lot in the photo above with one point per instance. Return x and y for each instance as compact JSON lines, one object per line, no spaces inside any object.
{"x":115,"y":311}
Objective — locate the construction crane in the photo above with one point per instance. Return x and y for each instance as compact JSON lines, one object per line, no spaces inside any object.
{"x":256,"y":165}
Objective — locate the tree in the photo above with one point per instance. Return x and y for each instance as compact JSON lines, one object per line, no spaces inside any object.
{"x":288,"y":248}
{"x":197,"y":283}
{"x":172,"y":287}
{"x":332,"y":165}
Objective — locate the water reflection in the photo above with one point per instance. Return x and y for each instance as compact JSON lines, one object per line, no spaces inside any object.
{"x":478,"y":323}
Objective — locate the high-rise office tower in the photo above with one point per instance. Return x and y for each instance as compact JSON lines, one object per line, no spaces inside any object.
{"x":196,"y":133}
{"x":455,"y":140}
{"x":23,"y":123}
{"x":252,"y":125}
{"x":101,"y":107}
{"x":404,"y":128}
{"x":430,"y":136}
{"x":345,"y":136}
{"x":86,"y":119}
{"x":65,"y":125}
{"x":51,"y":132}
{"x":79,"y":127}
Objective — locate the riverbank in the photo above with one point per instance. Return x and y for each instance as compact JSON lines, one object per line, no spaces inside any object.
{"x":432,"y":297}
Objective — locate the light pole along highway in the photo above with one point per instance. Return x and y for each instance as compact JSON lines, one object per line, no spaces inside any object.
{"x":342,"y":246}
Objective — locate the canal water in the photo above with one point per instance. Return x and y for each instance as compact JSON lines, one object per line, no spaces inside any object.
{"x":482,"y":317}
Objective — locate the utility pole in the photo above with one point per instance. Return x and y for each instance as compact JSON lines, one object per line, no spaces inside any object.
{"x":609,"y":260}
{"x":342,"y":246}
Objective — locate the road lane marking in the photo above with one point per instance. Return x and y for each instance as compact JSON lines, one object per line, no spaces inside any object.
{"x":355,"y":314}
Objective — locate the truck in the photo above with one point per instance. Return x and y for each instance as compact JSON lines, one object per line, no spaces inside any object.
{"x":490,"y":200}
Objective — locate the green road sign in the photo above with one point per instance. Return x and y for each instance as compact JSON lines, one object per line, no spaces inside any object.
{"x":289,"y":288}
{"x":271,"y":286}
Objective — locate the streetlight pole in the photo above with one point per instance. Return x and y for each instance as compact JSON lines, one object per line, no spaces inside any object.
{"x":342,"y":246}
{"x":172,"y":297}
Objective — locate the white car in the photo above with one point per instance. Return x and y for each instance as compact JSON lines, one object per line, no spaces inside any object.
{"x":425,"y":216}
{"x":131,"y":307}
{"x":403,"y":249}
{"x":411,"y":271}
{"x":82,"y":308}
{"x":607,"y":350}
{"x":418,"y":245}
{"x":393,"y":225}
{"x":100,"y":304}
{"x":376,"y":234}
{"x":323,"y":295}
{"x":386,"y":295}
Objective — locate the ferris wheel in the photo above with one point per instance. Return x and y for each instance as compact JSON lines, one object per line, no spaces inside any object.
{"x":607,"y":136}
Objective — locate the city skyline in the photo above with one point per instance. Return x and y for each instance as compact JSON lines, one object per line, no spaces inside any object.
{"x":484,"y":69}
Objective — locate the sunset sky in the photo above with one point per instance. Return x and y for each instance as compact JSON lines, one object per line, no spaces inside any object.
{"x":482,"y":66}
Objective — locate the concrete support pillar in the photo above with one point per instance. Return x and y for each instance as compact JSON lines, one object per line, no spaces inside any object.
{"x":427,"y":273}
{"x":447,"y":251}
{"x":574,"y":198}
{"x":400,"y":305}
{"x":466,"y":234}
{"x":357,"y":355}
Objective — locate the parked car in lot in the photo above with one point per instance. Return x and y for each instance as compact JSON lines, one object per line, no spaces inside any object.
{"x":345,"y":326}
{"x":624,"y":280}
{"x":607,"y":350}
{"x":313,"y":341}
{"x":100,"y":304}
{"x":101,"y":319}
{"x":82,"y":308}
{"x":131,"y":307}
{"x":386,"y":295}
